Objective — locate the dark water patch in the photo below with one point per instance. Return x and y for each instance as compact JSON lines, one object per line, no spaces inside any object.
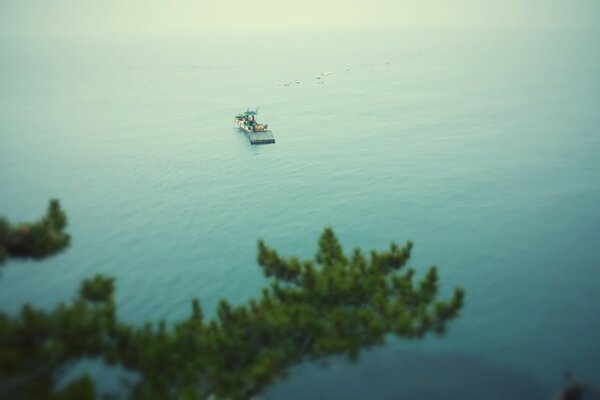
{"x":385,"y":374}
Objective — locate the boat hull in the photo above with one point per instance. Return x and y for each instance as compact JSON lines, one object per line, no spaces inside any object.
{"x":264,"y":137}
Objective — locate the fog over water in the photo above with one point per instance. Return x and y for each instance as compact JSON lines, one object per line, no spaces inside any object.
{"x":153,"y":17}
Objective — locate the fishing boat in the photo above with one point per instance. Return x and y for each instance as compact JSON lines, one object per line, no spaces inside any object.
{"x":256,"y":133}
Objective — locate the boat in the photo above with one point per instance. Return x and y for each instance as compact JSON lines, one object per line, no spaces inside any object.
{"x":256,"y":133}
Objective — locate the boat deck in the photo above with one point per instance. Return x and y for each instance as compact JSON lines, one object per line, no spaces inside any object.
{"x":260,"y":137}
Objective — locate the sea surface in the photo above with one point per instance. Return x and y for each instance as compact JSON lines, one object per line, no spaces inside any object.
{"x":481,"y":146}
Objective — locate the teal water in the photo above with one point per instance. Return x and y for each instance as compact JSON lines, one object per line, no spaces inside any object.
{"x":480,"y":146}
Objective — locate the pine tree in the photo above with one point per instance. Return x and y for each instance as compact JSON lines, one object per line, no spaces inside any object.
{"x":312,"y":309}
{"x":37,"y":240}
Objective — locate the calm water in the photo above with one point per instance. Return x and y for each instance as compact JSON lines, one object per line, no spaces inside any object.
{"x":481,"y":146}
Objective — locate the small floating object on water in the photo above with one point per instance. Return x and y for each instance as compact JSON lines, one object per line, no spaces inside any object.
{"x":256,"y":133}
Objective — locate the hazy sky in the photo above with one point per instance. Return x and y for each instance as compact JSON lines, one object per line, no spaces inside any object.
{"x":101,"y":17}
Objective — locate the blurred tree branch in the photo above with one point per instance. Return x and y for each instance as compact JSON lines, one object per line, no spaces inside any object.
{"x":334,"y":304}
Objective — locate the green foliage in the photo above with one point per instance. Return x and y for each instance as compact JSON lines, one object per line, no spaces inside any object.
{"x":98,"y":289}
{"x":35,"y":345}
{"x":312,"y":309}
{"x":37,"y":240}
{"x":81,"y":389}
{"x":334,"y":304}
